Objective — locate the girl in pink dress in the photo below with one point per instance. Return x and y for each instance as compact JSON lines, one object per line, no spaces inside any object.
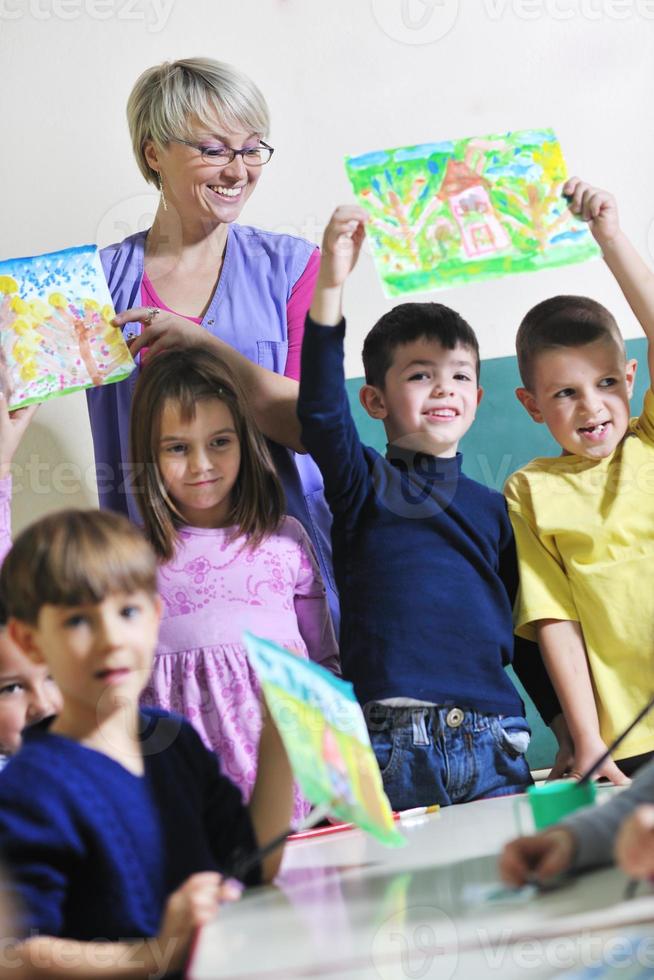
{"x":213,"y":508}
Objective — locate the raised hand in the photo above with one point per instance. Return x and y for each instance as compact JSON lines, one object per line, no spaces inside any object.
{"x":595,"y":206}
{"x":341,"y":245}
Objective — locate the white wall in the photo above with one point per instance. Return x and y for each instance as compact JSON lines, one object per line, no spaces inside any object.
{"x":342,"y":76}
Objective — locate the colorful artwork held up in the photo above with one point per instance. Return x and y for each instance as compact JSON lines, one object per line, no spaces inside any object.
{"x":460,"y":211}
{"x":326,"y":739}
{"x":55,"y":327}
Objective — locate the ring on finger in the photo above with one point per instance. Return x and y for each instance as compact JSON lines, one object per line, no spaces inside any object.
{"x":152,"y":311}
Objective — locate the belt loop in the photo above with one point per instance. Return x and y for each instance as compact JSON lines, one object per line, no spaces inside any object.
{"x":420,"y":736}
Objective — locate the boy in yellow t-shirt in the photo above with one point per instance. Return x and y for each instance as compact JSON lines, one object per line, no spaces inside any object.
{"x":584,"y":521}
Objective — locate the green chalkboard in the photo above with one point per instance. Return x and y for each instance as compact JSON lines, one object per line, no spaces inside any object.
{"x":502,"y":439}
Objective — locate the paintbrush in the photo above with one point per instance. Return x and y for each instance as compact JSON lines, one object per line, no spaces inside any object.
{"x":240,"y":868}
{"x":633,"y":883}
{"x":614,"y":744}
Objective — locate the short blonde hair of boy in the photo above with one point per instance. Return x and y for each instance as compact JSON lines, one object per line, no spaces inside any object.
{"x":73,"y":558}
{"x":168,"y":99}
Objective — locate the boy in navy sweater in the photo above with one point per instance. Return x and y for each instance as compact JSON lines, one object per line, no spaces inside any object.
{"x":116,"y":821}
{"x":424,"y":557}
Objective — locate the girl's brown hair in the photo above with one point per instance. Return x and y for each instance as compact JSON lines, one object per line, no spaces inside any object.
{"x":186,"y":377}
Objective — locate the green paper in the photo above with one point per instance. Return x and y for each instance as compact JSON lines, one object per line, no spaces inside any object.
{"x":324,"y":732}
{"x":459,"y":211}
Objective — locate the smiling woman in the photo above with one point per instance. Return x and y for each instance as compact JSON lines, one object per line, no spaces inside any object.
{"x":199,"y":131}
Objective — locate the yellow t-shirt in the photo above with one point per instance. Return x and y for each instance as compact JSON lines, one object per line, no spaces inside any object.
{"x":585,"y":537}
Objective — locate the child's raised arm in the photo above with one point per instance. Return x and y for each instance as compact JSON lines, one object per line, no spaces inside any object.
{"x":633,"y":275}
{"x":341,"y":245}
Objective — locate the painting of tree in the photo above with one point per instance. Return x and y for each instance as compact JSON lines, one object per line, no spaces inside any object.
{"x":56,"y":333}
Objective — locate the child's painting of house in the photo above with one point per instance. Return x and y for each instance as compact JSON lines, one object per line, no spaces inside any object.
{"x":56,"y":334}
{"x":449,"y":213}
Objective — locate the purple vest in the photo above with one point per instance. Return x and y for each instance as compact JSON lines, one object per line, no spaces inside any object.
{"x":248,"y":311}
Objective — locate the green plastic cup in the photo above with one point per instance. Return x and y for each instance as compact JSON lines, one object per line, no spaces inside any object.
{"x":551,"y":802}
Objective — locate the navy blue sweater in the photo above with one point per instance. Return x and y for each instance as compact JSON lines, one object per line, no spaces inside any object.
{"x":94,"y":851}
{"x":424,"y":558}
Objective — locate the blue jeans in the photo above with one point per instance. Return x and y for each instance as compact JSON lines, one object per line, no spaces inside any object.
{"x":447,"y":754}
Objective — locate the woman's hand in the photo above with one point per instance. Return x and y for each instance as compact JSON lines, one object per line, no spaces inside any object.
{"x":193,"y":905}
{"x":12,"y":430}
{"x":163,"y":331}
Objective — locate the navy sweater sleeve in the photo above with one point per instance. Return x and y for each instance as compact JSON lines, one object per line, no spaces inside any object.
{"x":328,"y":430}
{"x":527,"y":660}
{"x":229,"y":828}
{"x":192,"y":770}
{"x":41,"y":849}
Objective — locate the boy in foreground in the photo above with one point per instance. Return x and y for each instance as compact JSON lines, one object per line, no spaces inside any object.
{"x":116,"y":822}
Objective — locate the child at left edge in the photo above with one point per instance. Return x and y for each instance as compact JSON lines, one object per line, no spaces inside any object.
{"x":424,"y":557}
{"x":115,"y":822}
{"x":28,"y":694}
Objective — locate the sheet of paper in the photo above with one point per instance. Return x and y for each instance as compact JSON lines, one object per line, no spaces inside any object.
{"x":325,"y":735}
{"x":458,"y":211}
{"x":55,"y":329}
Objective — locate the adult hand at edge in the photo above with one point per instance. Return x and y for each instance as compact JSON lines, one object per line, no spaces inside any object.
{"x":163,"y":332}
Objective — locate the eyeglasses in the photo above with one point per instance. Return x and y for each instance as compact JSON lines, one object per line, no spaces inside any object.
{"x":219,"y":156}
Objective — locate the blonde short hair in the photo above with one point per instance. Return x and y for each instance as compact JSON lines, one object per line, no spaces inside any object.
{"x":167,"y":96}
